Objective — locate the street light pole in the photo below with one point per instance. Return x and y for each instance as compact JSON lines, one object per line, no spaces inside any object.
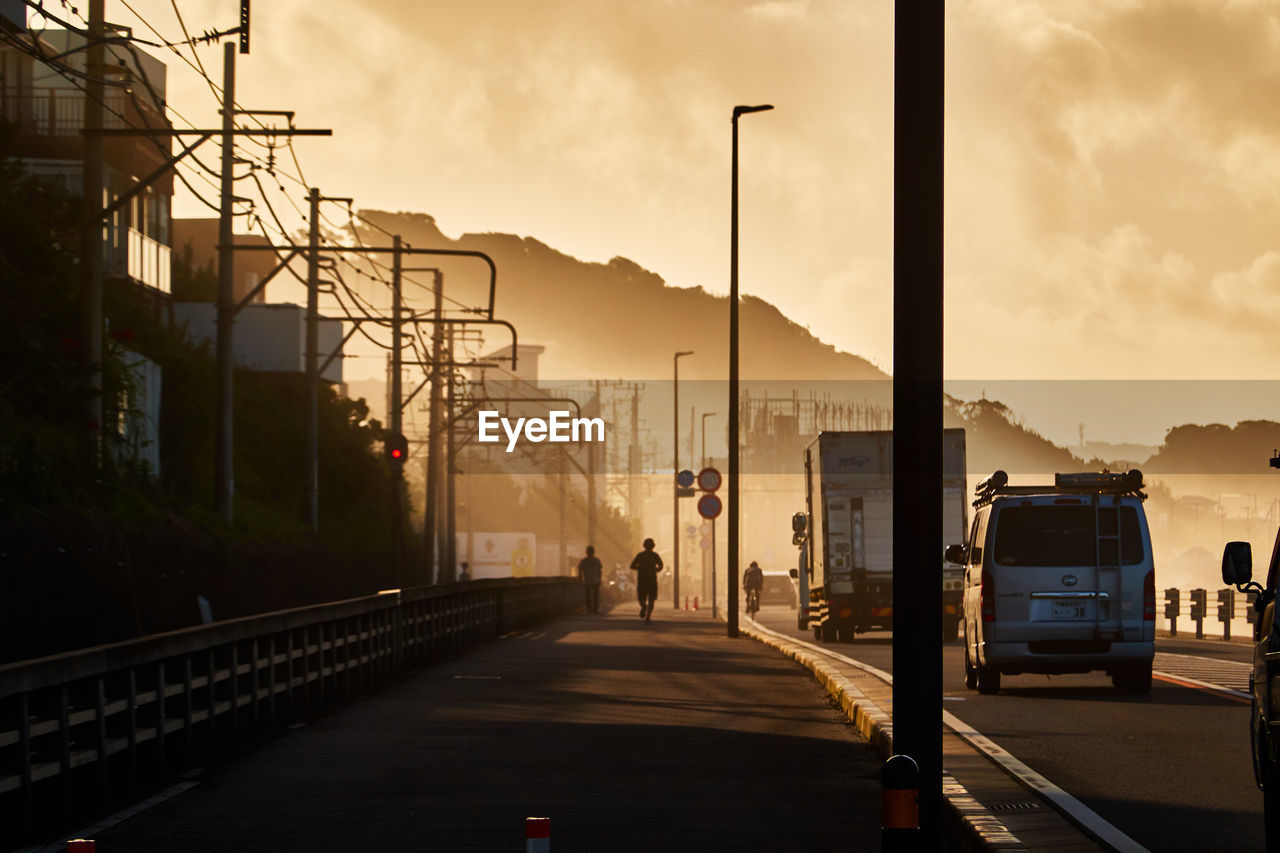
{"x":734,"y":509}
{"x":675,"y":485}
{"x":708,"y":578}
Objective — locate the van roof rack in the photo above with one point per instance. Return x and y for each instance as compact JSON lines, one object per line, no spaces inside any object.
{"x":1084,"y":483}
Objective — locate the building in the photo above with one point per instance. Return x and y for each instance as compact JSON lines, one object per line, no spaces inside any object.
{"x":268,"y":338}
{"x":44,"y":108}
{"x":42,"y":103}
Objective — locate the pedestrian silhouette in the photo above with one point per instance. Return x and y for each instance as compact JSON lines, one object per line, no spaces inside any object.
{"x":589,"y":573}
{"x":646,"y":565}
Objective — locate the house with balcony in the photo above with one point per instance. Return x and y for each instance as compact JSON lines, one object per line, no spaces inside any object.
{"x":44,"y":110}
{"x":42,"y":105}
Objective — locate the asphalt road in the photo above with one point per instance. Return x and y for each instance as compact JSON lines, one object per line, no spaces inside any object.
{"x":629,"y":736}
{"x":1170,"y":769}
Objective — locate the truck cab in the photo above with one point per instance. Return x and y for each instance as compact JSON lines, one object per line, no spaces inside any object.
{"x":1264,"y":678}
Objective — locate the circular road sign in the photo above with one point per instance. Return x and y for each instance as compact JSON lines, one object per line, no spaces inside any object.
{"x":709,"y":506}
{"x":685,"y":478}
{"x":709,"y":480}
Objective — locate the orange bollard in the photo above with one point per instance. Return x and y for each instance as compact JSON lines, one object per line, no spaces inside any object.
{"x":900,"y":805}
{"x":686,"y":602}
{"x":537,"y":835}
{"x":80,"y":845}
{"x":695,"y":602}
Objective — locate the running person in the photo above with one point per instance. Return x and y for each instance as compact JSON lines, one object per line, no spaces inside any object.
{"x":646,"y":565}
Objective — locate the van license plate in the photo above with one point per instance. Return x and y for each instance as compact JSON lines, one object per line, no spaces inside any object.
{"x":1068,"y":610}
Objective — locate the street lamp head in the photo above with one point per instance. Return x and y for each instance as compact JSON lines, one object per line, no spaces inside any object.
{"x":684,"y":352}
{"x":740,"y":110}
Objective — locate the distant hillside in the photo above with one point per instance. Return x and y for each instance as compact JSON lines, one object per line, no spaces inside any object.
{"x":994,"y":439}
{"x":620,"y":320}
{"x":1216,"y":449}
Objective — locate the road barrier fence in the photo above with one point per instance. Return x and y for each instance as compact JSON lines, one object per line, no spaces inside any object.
{"x":77,"y":728}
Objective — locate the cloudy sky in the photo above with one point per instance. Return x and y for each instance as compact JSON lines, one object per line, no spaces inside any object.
{"x":1112,"y":166}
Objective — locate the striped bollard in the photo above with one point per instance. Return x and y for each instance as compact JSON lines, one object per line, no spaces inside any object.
{"x":537,"y":835}
{"x":900,"y":805}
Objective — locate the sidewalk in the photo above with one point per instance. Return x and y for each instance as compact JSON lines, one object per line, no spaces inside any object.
{"x":629,"y":736}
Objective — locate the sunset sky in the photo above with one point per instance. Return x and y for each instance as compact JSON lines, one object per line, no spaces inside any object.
{"x":1112,"y":167}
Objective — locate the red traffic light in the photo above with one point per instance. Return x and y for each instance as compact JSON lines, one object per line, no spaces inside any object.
{"x":397,"y":447}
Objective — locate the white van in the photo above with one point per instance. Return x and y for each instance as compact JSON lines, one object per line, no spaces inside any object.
{"x":1059,"y":579}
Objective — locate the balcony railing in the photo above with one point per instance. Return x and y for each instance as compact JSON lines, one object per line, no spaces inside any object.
{"x":59,"y":112}
{"x":148,"y":261}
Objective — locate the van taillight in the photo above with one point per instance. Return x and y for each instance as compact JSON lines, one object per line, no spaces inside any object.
{"x":1149,"y":597}
{"x":988,"y":598}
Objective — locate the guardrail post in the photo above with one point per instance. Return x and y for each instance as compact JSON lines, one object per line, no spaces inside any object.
{"x":1172,"y":604}
{"x":1226,"y":609}
{"x":1199,"y":609}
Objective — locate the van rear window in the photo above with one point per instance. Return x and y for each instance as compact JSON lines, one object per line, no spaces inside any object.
{"x":1064,"y":536}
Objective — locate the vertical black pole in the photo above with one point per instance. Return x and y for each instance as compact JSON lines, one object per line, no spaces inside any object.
{"x":313,"y":363}
{"x":395,"y":415}
{"x":92,"y":185}
{"x":224,"y":466}
{"x":917,"y":400}
{"x":732,"y":589}
{"x":435,"y":448}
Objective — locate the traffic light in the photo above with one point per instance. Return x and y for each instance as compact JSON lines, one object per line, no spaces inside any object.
{"x":397,"y":449}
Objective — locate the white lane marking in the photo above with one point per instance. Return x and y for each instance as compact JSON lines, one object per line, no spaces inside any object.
{"x":480,"y":677}
{"x":1204,"y":685}
{"x":1223,"y":676}
{"x":1076,"y":811}
{"x":119,"y":817}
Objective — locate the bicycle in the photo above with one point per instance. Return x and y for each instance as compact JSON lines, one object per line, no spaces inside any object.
{"x":753,"y":602}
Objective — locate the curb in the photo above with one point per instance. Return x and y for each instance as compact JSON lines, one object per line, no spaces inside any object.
{"x":969,"y":825}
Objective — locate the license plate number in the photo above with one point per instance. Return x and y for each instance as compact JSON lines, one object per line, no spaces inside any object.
{"x":1068,"y":610}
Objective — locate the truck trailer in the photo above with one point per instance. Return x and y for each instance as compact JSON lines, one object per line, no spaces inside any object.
{"x":846,"y":534}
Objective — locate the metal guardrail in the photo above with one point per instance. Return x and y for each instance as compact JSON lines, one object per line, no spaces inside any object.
{"x":79,"y":726}
{"x":1195,"y":611}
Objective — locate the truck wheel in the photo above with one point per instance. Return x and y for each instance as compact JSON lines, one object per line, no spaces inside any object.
{"x":988,"y":679}
{"x":1269,"y":782}
{"x":1135,"y":677}
{"x":829,"y":631}
{"x":970,"y":671}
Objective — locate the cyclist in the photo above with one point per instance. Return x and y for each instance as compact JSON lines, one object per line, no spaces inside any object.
{"x":753,"y":585}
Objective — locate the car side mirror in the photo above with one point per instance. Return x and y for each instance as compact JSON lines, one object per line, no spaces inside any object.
{"x":955,"y":554}
{"x":1237,"y":563}
{"x":794,"y":573}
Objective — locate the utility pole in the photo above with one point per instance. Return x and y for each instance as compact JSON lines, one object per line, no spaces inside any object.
{"x":430,"y":519}
{"x":313,"y":363}
{"x":313,"y":359}
{"x":224,"y":468}
{"x":451,"y":469}
{"x":395,"y":415}
{"x":91,"y":237}
{"x":634,"y":459}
